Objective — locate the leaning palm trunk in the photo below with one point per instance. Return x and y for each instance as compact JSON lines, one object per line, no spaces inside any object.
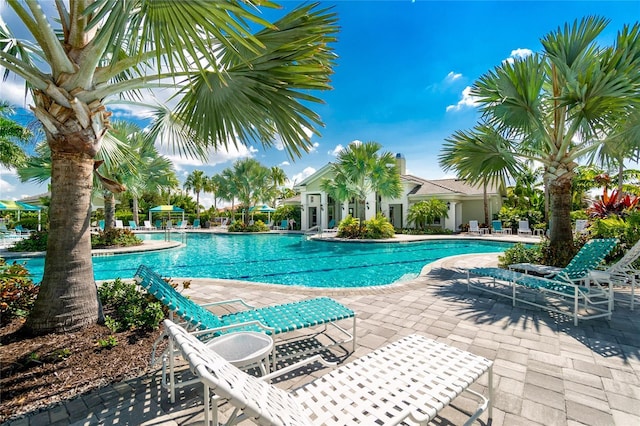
{"x":75,"y":304}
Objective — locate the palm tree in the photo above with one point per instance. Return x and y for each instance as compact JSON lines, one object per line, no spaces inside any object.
{"x":212,"y":185}
{"x":557,"y":107}
{"x":624,"y":144}
{"x":277,"y":178}
{"x":361,"y":170}
{"x":250,"y":181}
{"x":145,"y":169}
{"x":11,"y":133}
{"x":228,"y":187}
{"x":196,"y":181}
{"x":233,"y":86}
{"x":480,"y":156}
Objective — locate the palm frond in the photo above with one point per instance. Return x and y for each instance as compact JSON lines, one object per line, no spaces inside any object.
{"x":259,"y":95}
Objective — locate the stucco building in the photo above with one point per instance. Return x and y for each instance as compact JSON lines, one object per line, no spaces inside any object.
{"x":464,"y":201}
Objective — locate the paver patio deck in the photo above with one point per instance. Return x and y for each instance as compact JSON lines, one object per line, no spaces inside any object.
{"x":546,"y":370}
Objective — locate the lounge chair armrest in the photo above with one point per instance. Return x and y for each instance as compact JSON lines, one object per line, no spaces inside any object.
{"x":294,"y":366}
{"x":228,"y":302}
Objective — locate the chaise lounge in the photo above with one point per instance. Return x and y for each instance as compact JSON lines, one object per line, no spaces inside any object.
{"x":273,"y":320}
{"x":408,"y":381}
{"x":593,"y":300}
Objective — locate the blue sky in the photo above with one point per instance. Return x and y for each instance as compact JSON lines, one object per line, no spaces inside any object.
{"x":401,"y":76}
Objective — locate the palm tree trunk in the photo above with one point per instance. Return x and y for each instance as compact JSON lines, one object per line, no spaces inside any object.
{"x":561,"y":244}
{"x":109,"y":209}
{"x":485,"y":198}
{"x":68,"y":297}
{"x":198,"y":204}
{"x":134,"y":201}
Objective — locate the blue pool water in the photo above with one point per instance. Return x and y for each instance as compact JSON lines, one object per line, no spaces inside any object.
{"x":285,"y":259}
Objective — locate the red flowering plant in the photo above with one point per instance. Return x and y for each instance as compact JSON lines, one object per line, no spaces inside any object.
{"x":613,"y":204}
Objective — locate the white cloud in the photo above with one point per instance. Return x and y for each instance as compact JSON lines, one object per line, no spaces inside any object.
{"x":336,"y":150}
{"x":518,"y":54}
{"x":285,"y":163}
{"x":215,"y":157}
{"x":451,"y":77}
{"x":466,"y":101}
{"x":355,"y":142}
{"x":314,"y":147}
{"x":299,"y":177}
{"x":6,"y":186}
{"x":13,"y":91}
{"x":279,"y":145}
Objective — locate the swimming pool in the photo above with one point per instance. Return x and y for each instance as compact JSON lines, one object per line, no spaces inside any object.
{"x":285,"y":259}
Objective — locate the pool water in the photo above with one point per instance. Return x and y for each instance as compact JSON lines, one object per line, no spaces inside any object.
{"x":285,"y":259}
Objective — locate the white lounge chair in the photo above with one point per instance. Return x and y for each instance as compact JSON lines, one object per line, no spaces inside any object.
{"x":119,"y":224}
{"x":408,"y":381}
{"x":581,"y":226}
{"x":622,"y":273}
{"x":147,"y":225}
{"x":474,"y":228}
{"x":523,"y":227}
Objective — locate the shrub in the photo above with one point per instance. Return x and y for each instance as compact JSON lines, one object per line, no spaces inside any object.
{"x":626,"y":230}
{"x":350,"y":228}
{"x":17,"y":291}
{"x":429,"y":230}
{"x":238,"y":226}
{"x":378,"y":228}
{"x":114,"y":237}
{"x":127,"y":308}
{"x":520,"y":253}
{"x":37,"y":241}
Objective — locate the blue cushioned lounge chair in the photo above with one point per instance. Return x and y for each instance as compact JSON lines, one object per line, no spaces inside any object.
{"x":496,"y":227}
{"x":587,"y":301}
{"x":133,"y":226}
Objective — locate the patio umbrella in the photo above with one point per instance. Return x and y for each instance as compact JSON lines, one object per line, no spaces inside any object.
{"x":20,"y":206}
{"x":263,"y":209}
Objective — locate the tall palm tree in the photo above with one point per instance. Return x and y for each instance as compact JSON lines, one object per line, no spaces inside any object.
{"x":277,"y":178}
{"x":233,"y":86}
{"x":251,"y":182}
{"x":212,"y":185}
{"x":145,"y":170}
{"x":196,"y":181}
{"x":481,"y":156}
{"x":623,"y":145}
{"x":228,"y":188}
{"x":11,"y":135}
{"x":362,"y":170}
{"x":557,"y":107}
